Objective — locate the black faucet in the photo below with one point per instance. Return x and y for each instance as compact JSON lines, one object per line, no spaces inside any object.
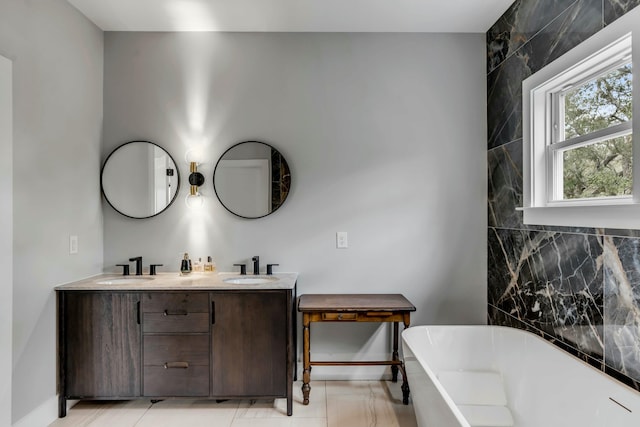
{"x":270,"y":269}
{"x":152,"y":269}
{"x":243,"y":268}
{"x":138,"y":261}
{"x":125,"y":269}
{"x":256,"y":265}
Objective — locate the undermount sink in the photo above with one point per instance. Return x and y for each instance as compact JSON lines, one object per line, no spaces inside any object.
{"x":124,"y":280}
{"x":250,"y":280}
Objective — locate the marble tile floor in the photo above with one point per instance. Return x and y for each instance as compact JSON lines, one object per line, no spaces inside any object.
{"x":332,"y":404}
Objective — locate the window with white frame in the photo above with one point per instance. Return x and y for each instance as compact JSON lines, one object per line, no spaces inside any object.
{"x":590,"y":153}
{"x":579,"y":164}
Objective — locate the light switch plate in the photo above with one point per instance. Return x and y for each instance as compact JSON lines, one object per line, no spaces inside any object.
{"x":73,"y":245}
{"x":341,"y":240}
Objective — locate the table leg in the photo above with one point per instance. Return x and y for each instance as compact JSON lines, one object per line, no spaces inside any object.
{"x":405,"y":386}
{"x":306,"y":357}
{"x":406,"y":320}
{"x":395,"y":357}
{"x":405,"y":382}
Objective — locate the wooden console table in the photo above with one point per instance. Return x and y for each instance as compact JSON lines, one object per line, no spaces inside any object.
{"x":354,"y":308}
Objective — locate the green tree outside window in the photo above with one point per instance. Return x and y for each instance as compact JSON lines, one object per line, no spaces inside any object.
{"x":603,"y":168}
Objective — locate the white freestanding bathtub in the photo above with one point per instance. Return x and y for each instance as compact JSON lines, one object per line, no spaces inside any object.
{"x":467,"y":376}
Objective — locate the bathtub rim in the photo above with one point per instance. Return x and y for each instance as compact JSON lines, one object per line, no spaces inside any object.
{"x":432,"y":376}
{"x":406,"y":334}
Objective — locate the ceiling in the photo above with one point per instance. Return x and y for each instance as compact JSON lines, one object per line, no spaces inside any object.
{"x":457,"y":16}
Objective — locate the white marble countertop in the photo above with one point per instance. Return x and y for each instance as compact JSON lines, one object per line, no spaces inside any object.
{"x":176,"y":282}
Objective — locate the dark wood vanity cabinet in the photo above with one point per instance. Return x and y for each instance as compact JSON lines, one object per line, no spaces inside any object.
{"x":159,"y":344}
{"x":249,"y":345}
{"x":99,"y":344}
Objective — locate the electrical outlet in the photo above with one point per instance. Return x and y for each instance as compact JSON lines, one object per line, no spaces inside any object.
{"x":73,"y":245}
{"x":341,"y":240}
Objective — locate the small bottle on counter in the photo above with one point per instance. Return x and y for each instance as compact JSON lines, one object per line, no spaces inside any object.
{"x":198,"y":267}
{"x":185,"y":267}
{"x":210,"y":266}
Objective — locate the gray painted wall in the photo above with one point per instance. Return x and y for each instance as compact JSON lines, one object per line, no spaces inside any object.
{"x":6,"y":237}
{"x":382,"y":133}
{"x":57,"y":59}
{"x":385,"y":136}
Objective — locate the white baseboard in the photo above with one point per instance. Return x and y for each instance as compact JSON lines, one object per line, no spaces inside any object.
{"x":43,"y":415}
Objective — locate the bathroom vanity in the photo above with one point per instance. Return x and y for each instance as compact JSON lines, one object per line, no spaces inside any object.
{"x":156,"y":337}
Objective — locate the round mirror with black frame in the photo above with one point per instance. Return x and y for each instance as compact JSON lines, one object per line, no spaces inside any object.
{"x":139,"y":179}
{"x":252,"y":179}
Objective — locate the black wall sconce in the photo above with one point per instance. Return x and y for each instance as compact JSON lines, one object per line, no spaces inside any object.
{"x":196,"y":179}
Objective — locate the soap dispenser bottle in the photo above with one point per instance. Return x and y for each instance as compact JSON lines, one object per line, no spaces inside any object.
{"x":185,"y":267}
{"x":210,"y":266}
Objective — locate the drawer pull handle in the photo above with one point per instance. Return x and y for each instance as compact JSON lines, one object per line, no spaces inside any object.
{"x":175,"y":313}
{"x":176,"y":365}
{"x":337,"y":317}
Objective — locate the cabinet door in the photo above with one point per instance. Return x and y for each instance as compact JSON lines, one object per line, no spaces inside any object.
{"x":249,"y":344}
{"x":102,"y":345}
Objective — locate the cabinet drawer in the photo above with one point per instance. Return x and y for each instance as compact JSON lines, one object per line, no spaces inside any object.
{"x":163,"y":382}
{"x":175,"y":350}
{"x":175,"y":303}
{"x":175,"y":323}
{"x":340,"y":316}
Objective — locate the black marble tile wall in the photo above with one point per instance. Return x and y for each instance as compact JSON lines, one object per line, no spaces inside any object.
{"x":552,"y":281}
{"x":505,"y":185}
{"x":519,"y":24}
{"x":613,"y":9}
{"x":622,"y":305}
{"x":580,"y":21}
{"x":576,"y":23}
{"x":504,"y":100}
{"x":576,"y":287}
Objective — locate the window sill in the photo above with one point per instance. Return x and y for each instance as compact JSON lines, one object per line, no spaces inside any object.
{"x":623,"y":216}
